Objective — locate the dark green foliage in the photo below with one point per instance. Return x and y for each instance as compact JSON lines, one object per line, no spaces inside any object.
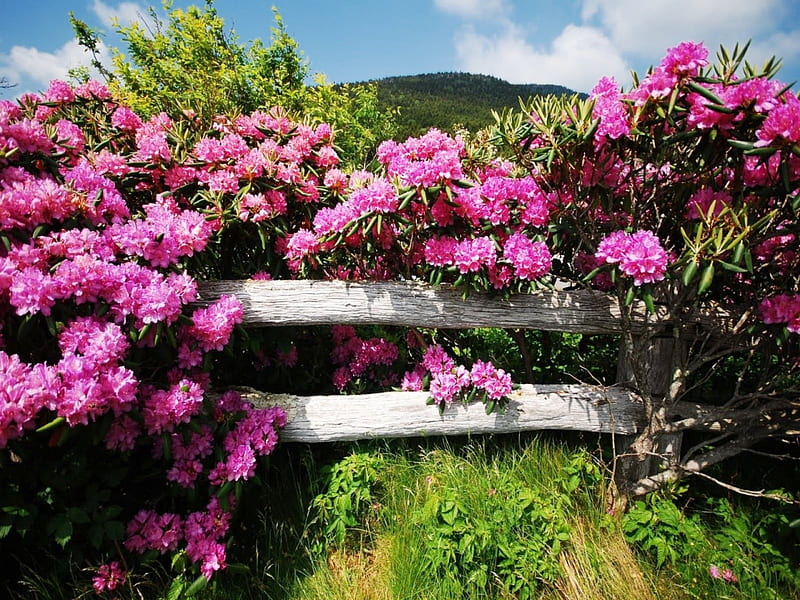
{"x":448,"y":101}
{"x":742,"y":552}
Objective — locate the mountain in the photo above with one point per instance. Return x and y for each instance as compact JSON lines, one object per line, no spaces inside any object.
{"x":449,"y":100}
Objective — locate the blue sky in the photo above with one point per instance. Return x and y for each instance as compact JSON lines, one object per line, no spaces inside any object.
{"x":568,"y":42}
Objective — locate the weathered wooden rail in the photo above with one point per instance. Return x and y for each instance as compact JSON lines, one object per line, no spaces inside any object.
{"x":405,"y":414}
{"x":306,"y":302}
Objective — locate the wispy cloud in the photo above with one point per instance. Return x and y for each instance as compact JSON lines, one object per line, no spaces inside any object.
{"x":576,"y":58}
{"x":608,"y":37}
{"x":124,"y":13}
{"x":473,"y":9}
{"x":37,"y":68}
{"x":647,"y":29}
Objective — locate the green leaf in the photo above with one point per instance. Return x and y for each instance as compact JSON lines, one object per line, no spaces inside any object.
{"x":731,"y":267}
{"x":742,"y":144}
{"x":630,"y":296}
{"x":689,"y":273}
{"x":198,"y":585}
{"x":115,"y":530}
{"x":60,"y":528}
{"x":647,"y":296}
{"x":706,"y":279}
{"x":765,"y":151}
{"x":705,"y":93}
{"x":51,"y":425}
{"x":77,"y":515}
{"x":175,"y":591}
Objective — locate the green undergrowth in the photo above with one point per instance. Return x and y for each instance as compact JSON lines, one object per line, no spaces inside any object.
{"x":496,"y":517}
{"x":503,"y":517}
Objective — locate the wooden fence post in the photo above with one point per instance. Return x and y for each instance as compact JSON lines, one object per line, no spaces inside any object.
{"x":646,"y":365}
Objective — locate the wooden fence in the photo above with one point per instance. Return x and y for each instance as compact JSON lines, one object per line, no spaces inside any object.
{"x":405,"y":414}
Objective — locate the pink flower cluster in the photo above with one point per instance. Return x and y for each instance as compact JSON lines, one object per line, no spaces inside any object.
{"x":188,"y":451}
{"x":358,"y":358}
{"x":254,"y":435}
{"x":468,"y":255}
{"x":202,"y":532}
{"x":724,"y":574}
{"x":109,"y":577}
{"x":639,"y":255}
{"x":499,"y":200}
{"x":376,"y":196}
{"x":782,"y":308}
{"x":425,"y":161}
{"x":758,"y":95}
{"x":165,"y":235}
{"x":531,"y":260}
{"x":449,"y":381}
{"x":87,"y":382}
{"x":782,"y":124}
{"x":610,"y":110}
{"x":106,"y":275}
{"x":683,"y":61}
{"x":212,"y":326}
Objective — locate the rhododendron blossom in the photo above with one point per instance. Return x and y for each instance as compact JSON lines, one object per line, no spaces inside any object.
{"x":639,"y":255}
{"x":531,"y":260}
{"x":609,"y":109}
{"x":109,"y":577}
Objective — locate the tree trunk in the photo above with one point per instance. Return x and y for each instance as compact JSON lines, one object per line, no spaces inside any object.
{"x":648,"y":366}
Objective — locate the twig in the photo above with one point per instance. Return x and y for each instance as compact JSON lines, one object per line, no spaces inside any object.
{"x":744,"y":492}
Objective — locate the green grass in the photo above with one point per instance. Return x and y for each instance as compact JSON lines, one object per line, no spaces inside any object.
{"x":504,"y":517}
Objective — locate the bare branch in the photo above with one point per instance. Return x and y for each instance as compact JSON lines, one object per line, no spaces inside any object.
{"x":752,"y":493}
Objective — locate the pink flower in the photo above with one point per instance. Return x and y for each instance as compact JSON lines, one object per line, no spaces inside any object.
{"x":470,"y":255}
{"x":447,"y":385}
{"x":495,"y":382}
{"x":439,"y":251}
{"x":109,"y":577}
{"x":781,"y":308}
{"x":127,"y":120}
{"x":212,"y":326}
{"x":729,"y":576}
{"x":531,"y":260}
{"x":686,"y":59}
{"x":122,"y":434}
{"x":639,"y":255}
{"x":436,"y":359}
{"x":151,"y":140}
{"x":412,"y":380}
{"x":610,"y":109}
{"x":782,"y":123}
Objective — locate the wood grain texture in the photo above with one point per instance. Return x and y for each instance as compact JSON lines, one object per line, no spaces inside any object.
{"x":405,"y":414}
{"x":305,"y":302}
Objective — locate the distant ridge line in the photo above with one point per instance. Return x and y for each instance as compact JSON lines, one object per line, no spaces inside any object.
{"x":452,"y":100}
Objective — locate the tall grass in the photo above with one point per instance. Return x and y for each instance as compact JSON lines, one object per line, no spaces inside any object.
{"x":401,"y":545}
{"x":515,"y":517}
{"x":501,"y":518}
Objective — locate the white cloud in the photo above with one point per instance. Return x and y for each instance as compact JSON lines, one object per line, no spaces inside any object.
{"x":646,"y":28}
{"x":125,"y":13}
{"x":472,"y":9}
{"x":783,"y":45}
{"x":31,"y":66}
{"x":577,"y":58}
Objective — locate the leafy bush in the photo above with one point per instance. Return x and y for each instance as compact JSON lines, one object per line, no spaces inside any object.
{"x":734,"y":551}
{"x":192,"y":64}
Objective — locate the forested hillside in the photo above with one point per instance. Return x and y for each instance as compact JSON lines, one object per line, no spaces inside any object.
{"x":448,"y":100}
